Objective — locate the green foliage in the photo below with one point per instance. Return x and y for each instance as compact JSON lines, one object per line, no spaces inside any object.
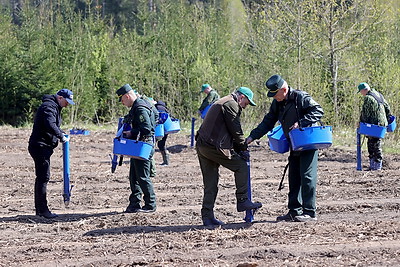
{"x":166,"y":49}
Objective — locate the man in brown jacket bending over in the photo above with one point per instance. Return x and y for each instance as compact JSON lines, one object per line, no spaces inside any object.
{"x":220,"y":141}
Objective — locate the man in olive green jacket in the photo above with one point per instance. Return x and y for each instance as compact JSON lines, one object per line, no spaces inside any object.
{"x":294,"y":109}
{"x":211,"y":97}
{"x":220,"y":141}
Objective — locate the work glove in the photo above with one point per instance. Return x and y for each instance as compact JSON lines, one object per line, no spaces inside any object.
{"x":390,"y":118}
{"x":245,"y":154}
{"x":65,"y":139}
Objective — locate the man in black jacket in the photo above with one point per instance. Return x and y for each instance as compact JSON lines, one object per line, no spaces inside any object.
{"x":44,"y":139}
{"x":294,"y":109}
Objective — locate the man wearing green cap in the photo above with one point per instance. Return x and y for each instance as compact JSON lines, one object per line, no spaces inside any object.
{"x":211,"y":97}
{"x":375,"y":110}
{"x":294,"y":109}
{"x":141,"y":117}
{"x":220,"y":141}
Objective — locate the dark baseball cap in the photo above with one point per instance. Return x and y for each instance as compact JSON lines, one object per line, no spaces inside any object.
{"x":67,"y":94}
{"x":123,"y":90}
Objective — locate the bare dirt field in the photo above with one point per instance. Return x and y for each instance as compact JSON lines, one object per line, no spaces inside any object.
{"x":359,"y":217}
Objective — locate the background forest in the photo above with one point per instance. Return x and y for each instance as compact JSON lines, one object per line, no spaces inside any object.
{"x":167,"y":48}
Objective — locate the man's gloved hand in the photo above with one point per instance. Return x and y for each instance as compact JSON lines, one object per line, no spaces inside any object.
{"x":65,"y":139}
{"x":245,"y":154}
{"x":248,"y":140}
{"x":390,"y":118}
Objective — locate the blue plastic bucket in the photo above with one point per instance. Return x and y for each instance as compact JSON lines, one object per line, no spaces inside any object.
{"x":316,"y":137}
{"x":204,"y":112}
{"x":132,"y":148}
{"x":392,"y":124}
{"x":277,"y":140}
{"x":372,"y":130}
{"x":159,"y":132}
{"x":171,"y":126}
{"x":79,"y":131}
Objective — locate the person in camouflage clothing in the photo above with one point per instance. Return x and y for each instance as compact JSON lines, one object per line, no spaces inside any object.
{"x":211,"y":97}
{"x":375,"y":110}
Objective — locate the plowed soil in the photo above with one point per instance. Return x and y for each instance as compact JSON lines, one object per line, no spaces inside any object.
{"x":358,"y":222}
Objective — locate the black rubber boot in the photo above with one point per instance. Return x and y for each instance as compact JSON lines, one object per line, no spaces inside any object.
{"x":165,"y":157}
{"x":212,"y":221}
{"x":246,"y":204}
{"x":47,"y":214}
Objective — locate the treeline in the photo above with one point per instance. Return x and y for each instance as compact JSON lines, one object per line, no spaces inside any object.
{"x":167,"y":48}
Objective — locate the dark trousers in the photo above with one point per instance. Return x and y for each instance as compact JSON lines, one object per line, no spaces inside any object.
{"x":374,"y":149}
{"x":303,"y":182}
{"x":140,"y":183}
{"x":41,"y":156}
{"x":161,"y":143}
{"x":210,"y":159}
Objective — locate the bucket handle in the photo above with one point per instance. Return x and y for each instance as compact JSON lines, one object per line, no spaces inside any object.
{"x":298,"y":115}
{"x":320,"y":122}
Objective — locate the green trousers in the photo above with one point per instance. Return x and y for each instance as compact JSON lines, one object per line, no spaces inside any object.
{"x":303,"y":182}
{"x":141,"y":185}
{"x":210,"y":160}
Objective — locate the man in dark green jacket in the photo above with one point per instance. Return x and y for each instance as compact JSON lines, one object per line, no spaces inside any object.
{"x":375,"y":110}
{"x":220,"y":141}
{"x":294,"y":109}
{"x":211,"y":97}
{"x":141,"y":117}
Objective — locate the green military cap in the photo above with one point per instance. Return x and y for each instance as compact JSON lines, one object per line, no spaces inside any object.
{"x":248,"y":93}
{"x":274,"y":83}
{"x":204,"y":87}
{"x":363,"y":86}
{"x":123,"y":90}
